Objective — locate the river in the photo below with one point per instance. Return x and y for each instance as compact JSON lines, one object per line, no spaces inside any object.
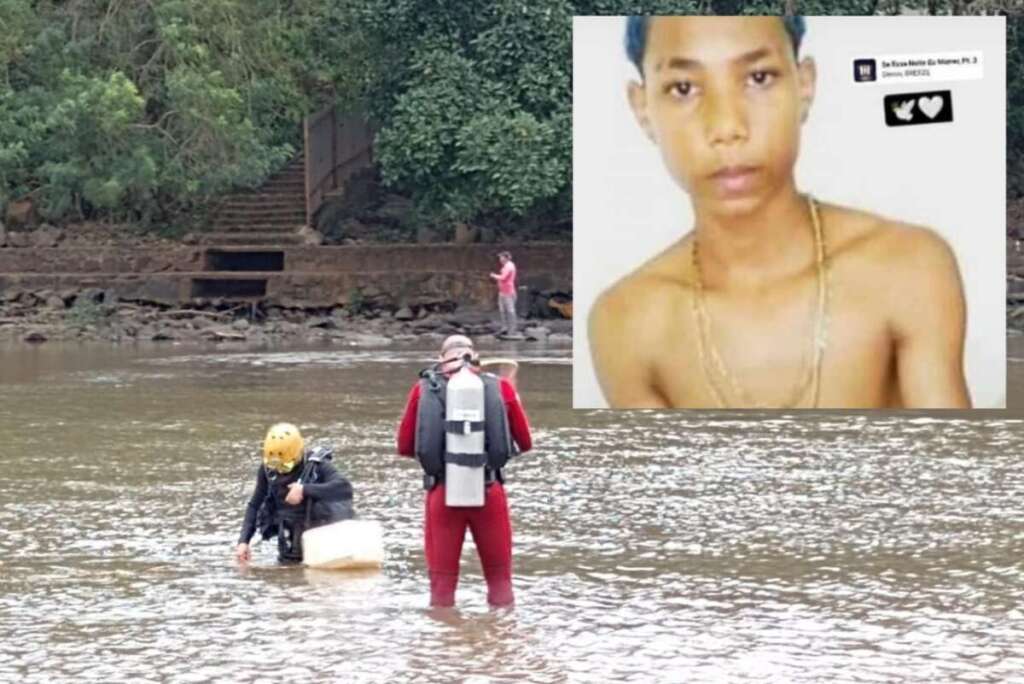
{"x":649,"y":547}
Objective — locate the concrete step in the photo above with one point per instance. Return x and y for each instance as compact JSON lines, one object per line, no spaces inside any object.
{"x":257,"y":228}
{"x":274,"y":213}
{"x":263,"y":238}
{"x":238,"y":206}
{"x":292,"y":221}
{"x":284,"y":189}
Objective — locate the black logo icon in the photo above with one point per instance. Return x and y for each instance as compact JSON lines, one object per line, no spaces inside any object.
{"x":864,"y":70}
{"x":908,"y":109}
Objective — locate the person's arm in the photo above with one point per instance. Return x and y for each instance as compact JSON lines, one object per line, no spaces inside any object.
{"x":518,"y":423}
{"x":331,"y":487}
{"x":928,"y":322}
{"x":406,"y":437}
{"x":620,"y":352}
{"x":251,"y":510}
{"x":508,"y":272}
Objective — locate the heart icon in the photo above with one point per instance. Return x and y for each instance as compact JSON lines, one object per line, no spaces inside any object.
{"x":930,"y":106}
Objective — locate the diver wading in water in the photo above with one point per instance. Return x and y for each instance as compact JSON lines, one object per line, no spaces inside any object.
{"x":296,"y":490}
{"x":463,"y":425}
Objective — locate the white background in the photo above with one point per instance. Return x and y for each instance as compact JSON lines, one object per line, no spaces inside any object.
{"x":950,"y":177}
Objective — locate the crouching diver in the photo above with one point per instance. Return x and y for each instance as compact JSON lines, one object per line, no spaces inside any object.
{"x":296,"y":490}
{"x":462,"y":425}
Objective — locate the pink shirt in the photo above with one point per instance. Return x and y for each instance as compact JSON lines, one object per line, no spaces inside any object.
{"x":507,"y":281}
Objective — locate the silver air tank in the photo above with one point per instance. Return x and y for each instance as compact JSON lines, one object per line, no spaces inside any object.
{"x":464,"y":440}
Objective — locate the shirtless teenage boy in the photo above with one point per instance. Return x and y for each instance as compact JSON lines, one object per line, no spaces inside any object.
{"x":774,"y":299}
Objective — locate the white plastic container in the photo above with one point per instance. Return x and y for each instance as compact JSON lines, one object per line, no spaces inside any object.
{"x":344,"y":545}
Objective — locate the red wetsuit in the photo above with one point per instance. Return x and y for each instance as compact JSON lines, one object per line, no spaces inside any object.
{"x":444,"y":528}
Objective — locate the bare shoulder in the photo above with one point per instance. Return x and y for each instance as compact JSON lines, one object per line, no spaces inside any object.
{"x":641,"y":302}
{"x":886,"y":249}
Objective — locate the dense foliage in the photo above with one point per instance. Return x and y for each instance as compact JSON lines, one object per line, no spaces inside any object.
{"x":144,"y":111}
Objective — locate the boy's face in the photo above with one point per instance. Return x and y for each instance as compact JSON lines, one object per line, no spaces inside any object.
{"x":723,"y":98}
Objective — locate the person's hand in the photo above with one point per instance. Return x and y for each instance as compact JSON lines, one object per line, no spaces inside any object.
{"x":495,"y":276}
{"x":294,"y":494}
{"x":242,"y":553}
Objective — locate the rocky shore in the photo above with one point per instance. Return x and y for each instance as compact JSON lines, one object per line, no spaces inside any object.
{"x":93,"y":314}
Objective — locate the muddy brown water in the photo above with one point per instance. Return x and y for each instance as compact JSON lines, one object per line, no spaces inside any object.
{"x":649,"y":547}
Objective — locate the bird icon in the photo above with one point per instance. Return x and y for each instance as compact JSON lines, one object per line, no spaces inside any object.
{"x":903,"y":110}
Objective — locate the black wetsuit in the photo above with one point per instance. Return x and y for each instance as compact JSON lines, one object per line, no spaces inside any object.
{"x":326,"y":499}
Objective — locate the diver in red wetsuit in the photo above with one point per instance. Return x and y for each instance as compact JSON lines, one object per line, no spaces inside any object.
{"x":421,"y":434}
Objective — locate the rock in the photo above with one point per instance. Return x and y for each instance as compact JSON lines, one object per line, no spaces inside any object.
{"x":21,"y":213}
{"x":560,"y":338}
{"x":35,"y":336}
{"x":426,"y":235}
{"x":162,"y":334}
{"x":91,"y":294}
{"x":368,"y":340}
{"x":47,"y":236}
{"x":465,"y":234}
{"x":220,"y":333}
{"x":406,"y":338}
{"x":55,"y":302}
{"x":18,"y":240}
{"x":310,"y":236}
{"x":404,"y":314}
{"x":558,"y":325}
{"x":240,"y":324}
{"x":354,"y":229}
{"x":394,"y":210}
{"x":3,"y":235}
{"x":190,"y":239}
{"x":321,"y":322}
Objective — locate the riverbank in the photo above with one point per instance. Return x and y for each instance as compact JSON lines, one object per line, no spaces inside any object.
{"x":93,"y":314}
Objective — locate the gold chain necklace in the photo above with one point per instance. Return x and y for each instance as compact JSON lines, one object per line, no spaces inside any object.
{"x":811,"y":373}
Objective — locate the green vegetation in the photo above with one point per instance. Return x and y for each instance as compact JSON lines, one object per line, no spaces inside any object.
{"x":85,"y":312}
{"x":143,"y":113}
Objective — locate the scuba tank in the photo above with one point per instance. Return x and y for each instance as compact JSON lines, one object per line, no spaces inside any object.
{"x":465,"y":456}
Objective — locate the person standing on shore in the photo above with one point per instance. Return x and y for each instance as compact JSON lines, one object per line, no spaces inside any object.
{"x":506,"y":279}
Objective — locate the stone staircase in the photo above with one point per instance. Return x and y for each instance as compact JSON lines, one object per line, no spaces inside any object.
{"x":270,"y":215}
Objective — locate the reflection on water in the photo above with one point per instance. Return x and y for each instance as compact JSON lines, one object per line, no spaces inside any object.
{"x":651,"y":547}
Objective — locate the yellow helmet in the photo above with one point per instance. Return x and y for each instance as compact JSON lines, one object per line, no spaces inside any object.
{"x":282,"y":447}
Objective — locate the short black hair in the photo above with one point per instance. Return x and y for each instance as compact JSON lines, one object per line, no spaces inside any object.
{"x":636,"y":36}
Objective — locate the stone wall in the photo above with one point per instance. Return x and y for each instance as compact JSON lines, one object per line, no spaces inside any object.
{"x":386,"y":276}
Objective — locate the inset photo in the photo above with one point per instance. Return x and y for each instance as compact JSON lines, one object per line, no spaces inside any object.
{"x":789,"y":212}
